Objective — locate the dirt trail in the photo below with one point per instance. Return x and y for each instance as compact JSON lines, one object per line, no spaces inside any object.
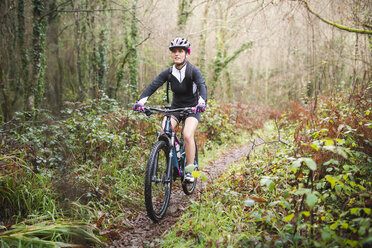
{"x":144,"y":232}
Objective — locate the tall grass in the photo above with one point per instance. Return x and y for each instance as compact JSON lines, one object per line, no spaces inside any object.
{"x":48,"y":234}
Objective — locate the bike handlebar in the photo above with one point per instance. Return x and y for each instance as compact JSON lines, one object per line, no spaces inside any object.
{"x":149,"y":110}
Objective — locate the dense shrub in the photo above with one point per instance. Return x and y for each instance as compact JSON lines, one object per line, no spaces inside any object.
{"x":94,"y":156}
{"x":309,"y":185}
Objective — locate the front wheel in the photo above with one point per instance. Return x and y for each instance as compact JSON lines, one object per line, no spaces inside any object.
{"x":157,"y":183}
{"x":188,"y":188}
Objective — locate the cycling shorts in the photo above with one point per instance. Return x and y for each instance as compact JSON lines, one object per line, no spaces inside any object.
{"x":178,"y":118}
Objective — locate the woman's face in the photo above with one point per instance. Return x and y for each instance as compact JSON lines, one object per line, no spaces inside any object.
{"x":178,"y":55}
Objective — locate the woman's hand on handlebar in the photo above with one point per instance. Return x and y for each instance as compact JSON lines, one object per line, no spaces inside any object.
{"x":139,"y":107}
{"x":200,"y":107}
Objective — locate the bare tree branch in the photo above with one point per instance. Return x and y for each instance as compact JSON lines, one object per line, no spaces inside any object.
{"x":339,"y":26}
{"x":261,"y":141}
{"x":58,"y":10}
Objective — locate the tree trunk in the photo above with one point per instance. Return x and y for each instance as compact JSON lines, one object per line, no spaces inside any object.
{"x":35,"y":89}
{"x":102,"y":50}
{"x":24,"y":71}
{"x":183,"y":13}
{"x":4,"y":92}
{"x":133,"y":65}
{"x":56,"y":73}
{"x":203,"y":40}
{"x":102,"y":47}
{"x":93,"y":58}
{"x":79,"y":76}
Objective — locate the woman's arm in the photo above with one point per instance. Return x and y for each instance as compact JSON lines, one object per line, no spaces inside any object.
{"x":158,"y":82}
{"x":200,"y":83}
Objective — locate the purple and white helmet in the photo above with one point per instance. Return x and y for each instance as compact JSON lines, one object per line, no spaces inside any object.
{"x":180,"y":42}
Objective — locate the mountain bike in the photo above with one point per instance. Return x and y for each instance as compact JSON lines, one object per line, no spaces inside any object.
{"x":166,"y":163}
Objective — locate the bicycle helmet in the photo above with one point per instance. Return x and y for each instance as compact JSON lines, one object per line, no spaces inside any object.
{"x":180,"y":42}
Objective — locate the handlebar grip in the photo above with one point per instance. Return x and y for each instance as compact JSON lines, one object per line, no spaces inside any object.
{"x":147,"y":111}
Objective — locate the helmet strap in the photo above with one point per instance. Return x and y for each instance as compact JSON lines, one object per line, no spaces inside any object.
{"x":180,"y":65}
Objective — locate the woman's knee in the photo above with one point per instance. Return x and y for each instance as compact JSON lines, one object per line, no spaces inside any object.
{"x":188,"y":137}
{"x":190,"y":128}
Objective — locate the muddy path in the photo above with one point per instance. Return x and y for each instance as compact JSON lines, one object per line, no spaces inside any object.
{"x":144,"y":233}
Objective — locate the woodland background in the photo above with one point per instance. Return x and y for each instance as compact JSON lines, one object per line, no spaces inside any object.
{"x":54,"y":52}
{"x":294,"y":73}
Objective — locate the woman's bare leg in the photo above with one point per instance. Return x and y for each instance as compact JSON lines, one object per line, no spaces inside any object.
{"x":188,"y":135}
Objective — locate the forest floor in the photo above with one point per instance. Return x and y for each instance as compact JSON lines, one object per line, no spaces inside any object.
{"x":144,"y":233}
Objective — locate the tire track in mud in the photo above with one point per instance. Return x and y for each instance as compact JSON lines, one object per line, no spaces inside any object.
{"x":144,"y":233}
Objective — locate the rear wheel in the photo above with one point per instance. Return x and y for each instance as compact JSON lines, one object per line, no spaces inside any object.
{"x":157,"y":183}
{"x":188,"y":188}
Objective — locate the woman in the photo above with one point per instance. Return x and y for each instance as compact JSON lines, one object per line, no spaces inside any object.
{"x":189,"y":90}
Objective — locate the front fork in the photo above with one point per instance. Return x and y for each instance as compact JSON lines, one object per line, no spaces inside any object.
{"x":171,"y":158}
{"x":169,"y":171}
{"x":169,"y":175}
{"x":169,"y":164}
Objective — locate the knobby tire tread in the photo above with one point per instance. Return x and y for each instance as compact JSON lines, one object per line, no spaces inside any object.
{"x":157,"y":148}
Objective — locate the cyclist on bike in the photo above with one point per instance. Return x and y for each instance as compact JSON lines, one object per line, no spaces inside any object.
{"x":189,"y":90}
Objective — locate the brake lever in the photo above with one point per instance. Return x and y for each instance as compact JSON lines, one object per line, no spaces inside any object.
{"x":188,"y":111}
{"x":147,"y":112}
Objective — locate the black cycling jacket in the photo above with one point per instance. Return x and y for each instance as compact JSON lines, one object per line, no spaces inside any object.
{"x":185,"y":93}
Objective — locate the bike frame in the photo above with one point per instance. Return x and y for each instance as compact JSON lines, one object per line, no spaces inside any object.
{"x":163,"y":182}
{"x":169,"y":136}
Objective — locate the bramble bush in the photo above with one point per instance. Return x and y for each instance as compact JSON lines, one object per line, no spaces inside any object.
{"x":311,"y":188}
{"x":82,"y":158}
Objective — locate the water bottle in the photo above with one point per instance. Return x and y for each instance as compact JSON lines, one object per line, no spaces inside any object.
{"x":178,"y":150}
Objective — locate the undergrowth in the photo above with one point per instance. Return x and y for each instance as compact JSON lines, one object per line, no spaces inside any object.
{"x":309,"y":185}
{"x":87,"y":166}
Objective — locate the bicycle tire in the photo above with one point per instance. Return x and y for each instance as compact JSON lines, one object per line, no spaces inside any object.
{"x":158,"y":189}
{"x":188,"y":188}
